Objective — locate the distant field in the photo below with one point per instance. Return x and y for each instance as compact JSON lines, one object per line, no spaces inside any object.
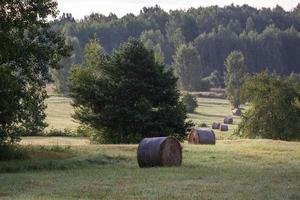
{"x":210,"y":110}
{"x":214,"y":110}
{"x":233,"y":170}
{"x":59,"y":111}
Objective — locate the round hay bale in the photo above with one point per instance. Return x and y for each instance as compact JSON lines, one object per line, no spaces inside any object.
{"x":228,"y":120}
{"x":159,"y":151}
{"x":224,"y":127}
{"x":215,"y":125}
{"x":237,"y":112}
{"x":202,"y":136}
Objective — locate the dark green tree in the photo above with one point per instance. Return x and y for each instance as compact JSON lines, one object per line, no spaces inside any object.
{"x":28,"y":47}
{"x":274,"y":108}
{"x":128,"y":97}
{"x":234,"y":77}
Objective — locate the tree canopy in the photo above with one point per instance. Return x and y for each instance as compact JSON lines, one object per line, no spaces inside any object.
{"x":268,"y":38}
{"x":28,"y":48}
{"x":274,"y":111}
{"x":234,"y":77}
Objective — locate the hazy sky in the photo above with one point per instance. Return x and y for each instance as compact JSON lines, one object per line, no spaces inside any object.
{"x":80,"y":8}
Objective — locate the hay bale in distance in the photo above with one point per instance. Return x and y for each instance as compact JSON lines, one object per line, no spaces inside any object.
{"x":228,"y":120}
{"x":202,"y":136}
{"x":159,"y":151}
{"x":215,"y":125}
{"x":237,"y":112}
{"x":224,"y":127}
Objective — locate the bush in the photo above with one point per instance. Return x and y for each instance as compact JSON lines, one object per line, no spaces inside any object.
{"x":203,"y":125}
{"x":85,"y":131}
{"x":190,"y":103}
{"x":67,"y":133}
{"x":204,"y":84}
{"x":12,"y":152}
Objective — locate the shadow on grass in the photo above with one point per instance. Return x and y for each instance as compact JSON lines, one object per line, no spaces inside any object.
{"x":207,"y":115}
{"x":215,"y":103}
{"x":58,"y":164}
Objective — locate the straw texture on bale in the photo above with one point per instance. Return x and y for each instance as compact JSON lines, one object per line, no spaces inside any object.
{"x":202,"y":136}
{"x":237,"y":112}
{"x":159,"y":151}
{"x":224,"y":127}
{"x":228,"y":120}
{"x":215,"y":125}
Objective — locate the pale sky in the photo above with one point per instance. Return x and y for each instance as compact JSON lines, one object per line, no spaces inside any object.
{"x":80,"y":8}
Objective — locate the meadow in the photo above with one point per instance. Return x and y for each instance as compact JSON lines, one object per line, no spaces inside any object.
{"x":72,"y":168}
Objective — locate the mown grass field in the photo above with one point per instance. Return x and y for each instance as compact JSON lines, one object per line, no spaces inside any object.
{"x":71,"y":168}
{"x":59,"y":111}
{"x":236,"y":169}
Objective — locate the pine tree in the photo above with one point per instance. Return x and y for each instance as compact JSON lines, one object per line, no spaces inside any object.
{"x":128,"y":97}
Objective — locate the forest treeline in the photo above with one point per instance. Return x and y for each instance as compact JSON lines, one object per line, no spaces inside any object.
{"x":195,"y":42}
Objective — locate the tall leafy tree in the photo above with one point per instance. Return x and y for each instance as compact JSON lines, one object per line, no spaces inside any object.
{"x":274,"y":108}
{"x":128,"y":97}
{"x":28,"y":47}
{"x":61,"y":76}
{"x":234,"y":77}
{"x":155,"y":40}
{"x":250,"y":26}
{"x":188,"y":67}
{"x":94,"y":53}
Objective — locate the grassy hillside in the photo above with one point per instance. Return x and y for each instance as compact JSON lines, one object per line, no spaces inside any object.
{"x":237,"y":169}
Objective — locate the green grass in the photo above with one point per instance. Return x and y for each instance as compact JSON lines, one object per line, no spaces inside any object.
{"x":72,"y":168}
{"x":214,"y":110}
{"x":236,"y":169}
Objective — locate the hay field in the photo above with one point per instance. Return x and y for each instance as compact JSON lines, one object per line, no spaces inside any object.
{"x":72,"y":168}
{"x":59,"y":111}
{"x":236,"y":169}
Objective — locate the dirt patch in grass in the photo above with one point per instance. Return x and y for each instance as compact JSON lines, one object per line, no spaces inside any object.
{"x":3,"y":194}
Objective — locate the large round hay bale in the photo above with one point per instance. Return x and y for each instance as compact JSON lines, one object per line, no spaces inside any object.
{"x":228,"y":120}
{"x":224,"y":127}
{"x":202,"y":136}
{"x":159,"y":151}
{"x":215,"y":125}
{"x":237,"y":112}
